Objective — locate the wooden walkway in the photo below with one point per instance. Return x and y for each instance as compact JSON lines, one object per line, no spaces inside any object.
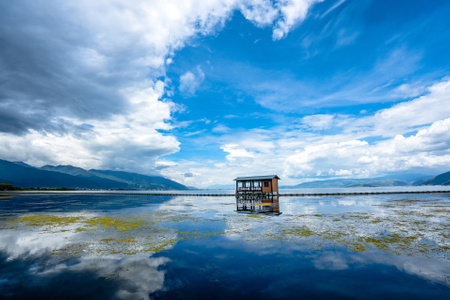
{"x":363,"y":193}
{"x":129,"y":193}
{"x":281,"y":194}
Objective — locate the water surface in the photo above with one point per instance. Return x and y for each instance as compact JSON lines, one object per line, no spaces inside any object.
{"x":170,"y":247}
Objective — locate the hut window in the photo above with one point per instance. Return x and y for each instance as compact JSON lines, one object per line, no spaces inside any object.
{"x":266,"y":184}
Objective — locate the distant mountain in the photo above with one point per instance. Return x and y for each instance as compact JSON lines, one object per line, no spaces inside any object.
{"x":442,"y":179}
{"x":102,"y":183}
{"x":25,"y":176}
{"x":138,"y":181}
{"x":344,"y":183}
{"x":21,"y":163}
{"x":29,"y":177}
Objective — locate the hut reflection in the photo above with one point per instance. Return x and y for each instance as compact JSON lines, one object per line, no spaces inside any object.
{"x":269,"y":204}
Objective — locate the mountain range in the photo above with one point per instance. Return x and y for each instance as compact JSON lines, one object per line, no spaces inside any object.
{"x":343,"y":183}
{"x":442,"y":179}
{"x":406,"y":180}
{"x":22,"y":175}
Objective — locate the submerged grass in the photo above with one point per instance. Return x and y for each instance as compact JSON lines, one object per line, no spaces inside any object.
{"x":409,"y":227}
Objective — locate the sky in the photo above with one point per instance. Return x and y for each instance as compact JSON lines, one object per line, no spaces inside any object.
{"x":204,"y":91}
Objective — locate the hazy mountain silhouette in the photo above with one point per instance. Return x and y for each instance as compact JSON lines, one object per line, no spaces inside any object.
{"x":29,"y":177}
{"x":441,"y":179}
{"x":22,"y":175}
{"x":343,"y":183}
{"x":139,"y":181}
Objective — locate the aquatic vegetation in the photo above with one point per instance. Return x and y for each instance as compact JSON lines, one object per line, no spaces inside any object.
{"x":117,"y":224}
{"x":299,"y":231}
{"x":255,"y":216}
{"x":50,"y":220}
{"x":399,"y":226}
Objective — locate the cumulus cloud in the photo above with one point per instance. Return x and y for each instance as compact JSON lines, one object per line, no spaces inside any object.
{"x":283,"y":14}
{"x":411,"y":135}
{"x":292,"y":12}
{"x":236,"y":152}
{"x":421,"y":111}
{"x":79,"y":81}
{"x":66,"y":65}
{"x":112,"y":143}
{"x":261,"y":12}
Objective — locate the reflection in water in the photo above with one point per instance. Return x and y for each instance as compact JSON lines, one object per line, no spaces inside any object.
{"x":135,"y":276}
{"x":270,"y":204}
{"x":68,"y":245}
{"x":88,"y":277}
{"x":171,"y":247}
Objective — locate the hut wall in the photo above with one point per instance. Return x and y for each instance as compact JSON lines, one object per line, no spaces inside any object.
{"x":267,"y":189}
{"x":275,"y":185}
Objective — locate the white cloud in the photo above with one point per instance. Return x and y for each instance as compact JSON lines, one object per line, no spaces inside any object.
{"x":292,"y":12}
{"x":297,"y":155}
{"x":318,"y":122}
{"x":190,"y":81}
{"x":408,"y":90}
{"x":282,"y":14}
{"x":221,"y":129}
{"x":236,"y":152}
{"x":261,"y":12}
{"x":112,"y":143}
{"x":112,"y":51}
{"x":97,"y":63}
{"x":421,"y":111}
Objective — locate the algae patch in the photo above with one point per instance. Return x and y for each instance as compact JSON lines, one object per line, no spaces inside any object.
{"x":50,"y":220}
{"x":112,"y":223}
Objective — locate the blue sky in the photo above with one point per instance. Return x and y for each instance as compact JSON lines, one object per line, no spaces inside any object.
{"x":203,"y":92}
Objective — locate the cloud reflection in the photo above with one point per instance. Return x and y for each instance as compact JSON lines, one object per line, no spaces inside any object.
{"x":65,"y":248}
{"x":136,"y":275}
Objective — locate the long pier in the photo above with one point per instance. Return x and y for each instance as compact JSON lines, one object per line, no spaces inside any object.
{"x":128,"y":193}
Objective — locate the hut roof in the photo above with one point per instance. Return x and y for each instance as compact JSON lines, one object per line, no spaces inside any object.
{"x":256,"y":178}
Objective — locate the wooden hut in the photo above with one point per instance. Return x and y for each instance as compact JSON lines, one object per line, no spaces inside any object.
{"x":257,"y":186}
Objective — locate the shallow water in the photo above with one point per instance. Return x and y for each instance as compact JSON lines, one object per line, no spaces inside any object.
{"x":163,"y":247}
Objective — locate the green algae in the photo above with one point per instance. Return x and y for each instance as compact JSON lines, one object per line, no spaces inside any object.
{"x":108,"y":240}
{"x":117,"y":224}
{"x":255,"y":216}
{"x":299,"y":231}
{"x":50,"y":220}
{"x":443,"y":211}
{"x":376,"y":221}
{"x":358,"y":248}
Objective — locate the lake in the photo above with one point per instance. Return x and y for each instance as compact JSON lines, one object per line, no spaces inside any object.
{"x":111,"y":246}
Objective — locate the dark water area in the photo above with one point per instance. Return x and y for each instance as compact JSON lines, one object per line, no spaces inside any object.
{"x":55,"y":246}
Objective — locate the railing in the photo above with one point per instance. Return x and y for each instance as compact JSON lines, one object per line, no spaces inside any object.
{"x":256,"y":188}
